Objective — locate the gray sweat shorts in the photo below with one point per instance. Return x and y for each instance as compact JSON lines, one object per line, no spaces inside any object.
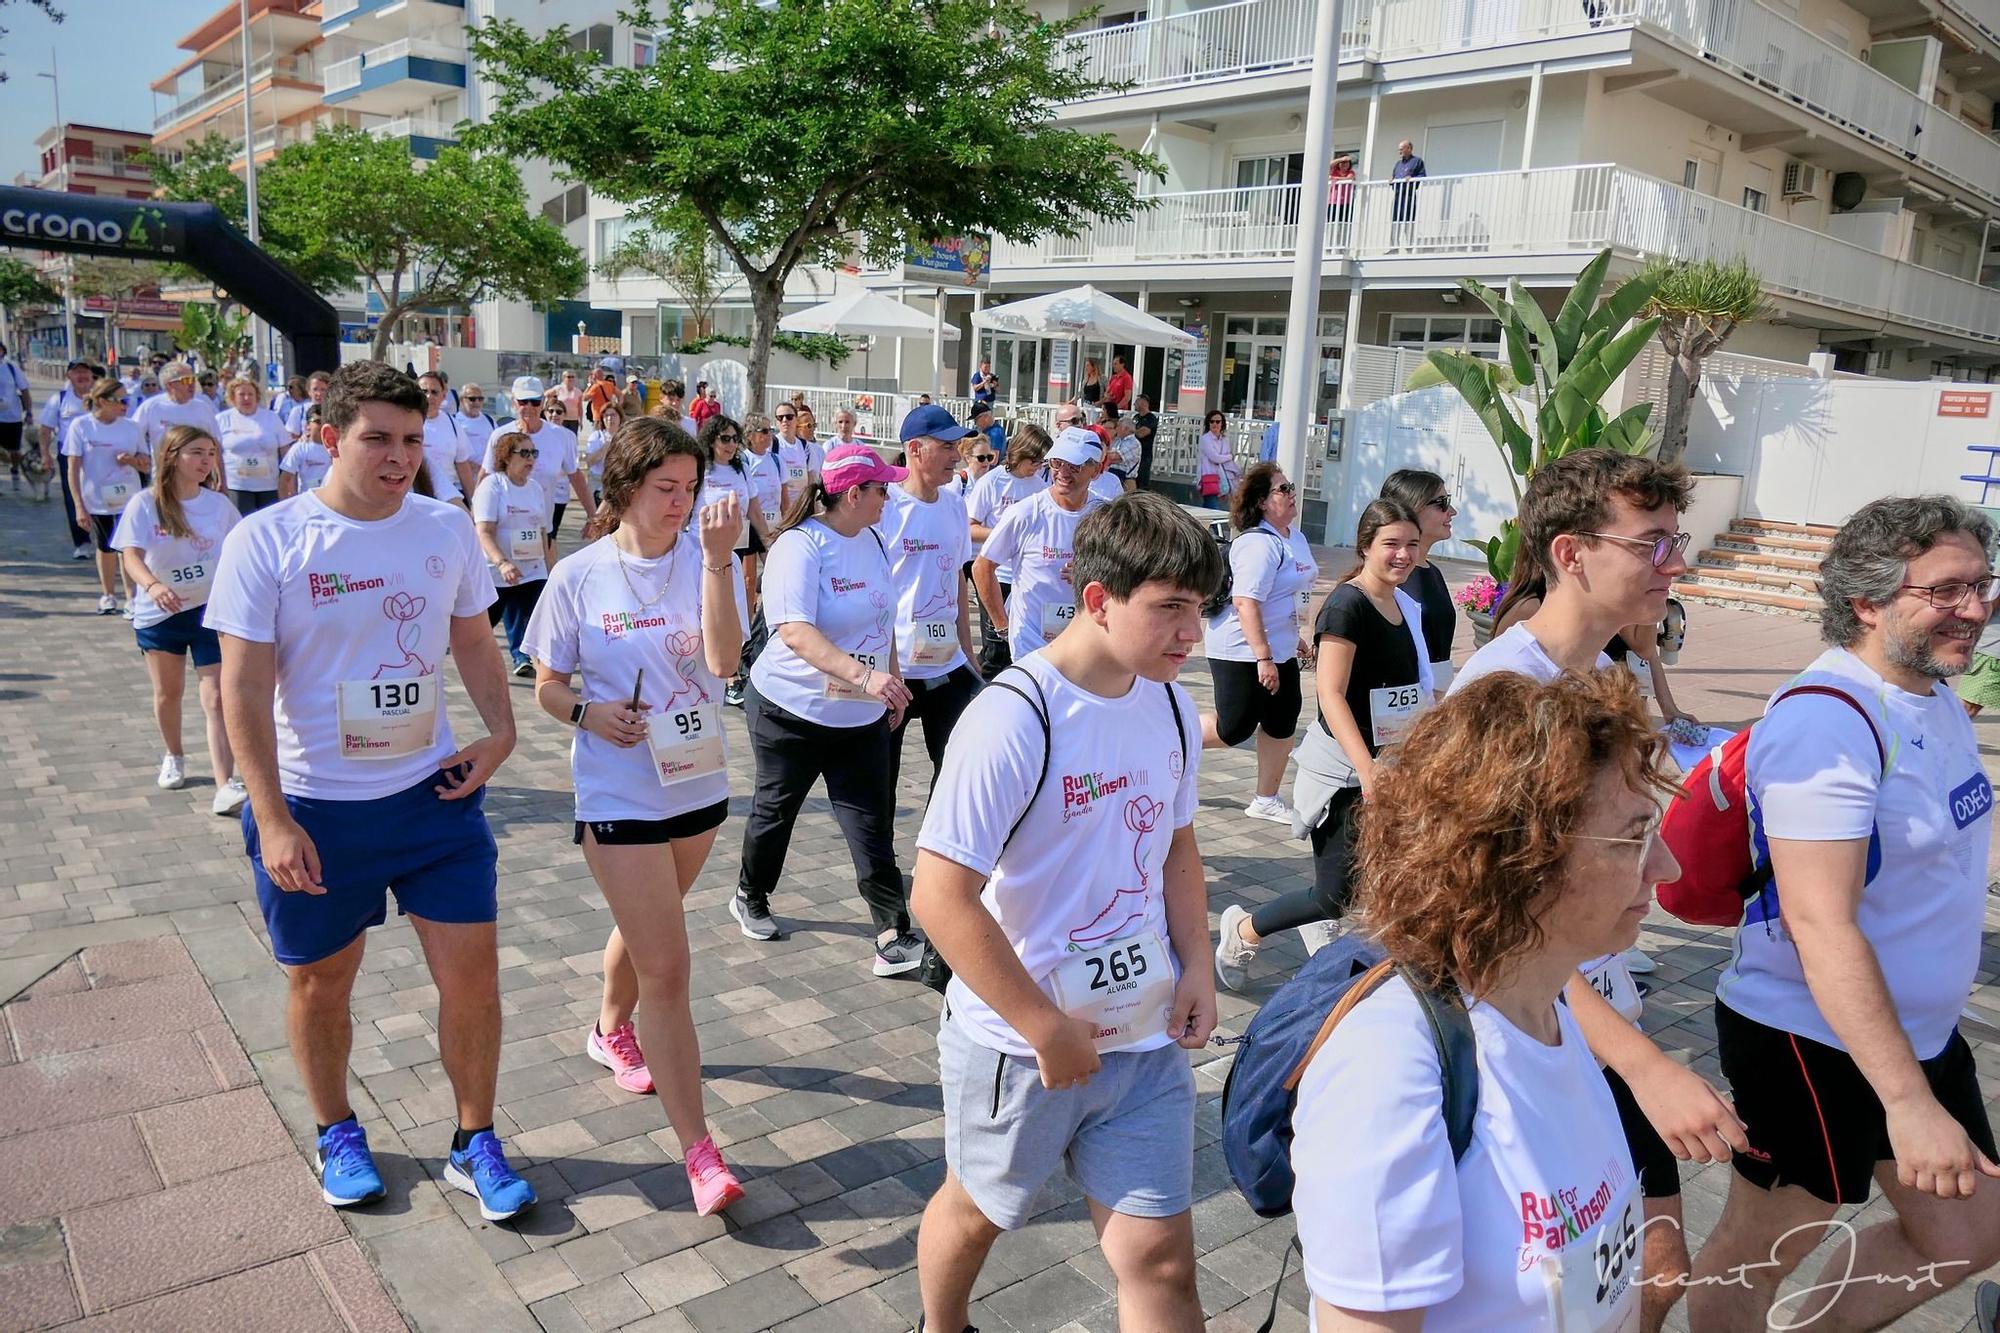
{"x":1126,"y":1137}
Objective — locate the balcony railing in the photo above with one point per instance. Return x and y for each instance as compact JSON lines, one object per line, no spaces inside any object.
{"x":301,"y":67}
{"x":1752,"y":40}
{"x":329,"y":10}
{"x":347,"y":73}
{"x":104,"y":166}
{"x":1498,"y":216}
{"x":405,"y":127}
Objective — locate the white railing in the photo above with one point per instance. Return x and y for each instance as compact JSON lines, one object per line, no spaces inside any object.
{"x":404,"y":127}
{"x":293,"y":67}
{"x":343,"y":74}
{"x":1502,"y":214}
{"x":1753,"y":40}
{"x":329,"y":10}
{"x":404,"y":47}
{"x":1980,"y":13}
{"x":104,"y":166}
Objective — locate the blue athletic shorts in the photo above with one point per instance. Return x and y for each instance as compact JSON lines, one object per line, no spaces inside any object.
{"x":438,"y":858}
{"x":182,"y":634}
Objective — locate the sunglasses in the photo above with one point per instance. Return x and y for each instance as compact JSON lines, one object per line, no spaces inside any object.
{"x":1658,"y":549}
{"x":470,"y":398}
{"x":1285,"y":488}
{"x":786,"y":416}
{"x":527,"y":453}
{"x":985,"y":458}
{"x":875,"y":487}
{"x":729,"y":439}
{"x":527,"y":402}
{"x":760,"y":430}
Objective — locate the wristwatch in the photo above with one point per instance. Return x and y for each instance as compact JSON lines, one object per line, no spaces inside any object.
{"x":576,"y":714}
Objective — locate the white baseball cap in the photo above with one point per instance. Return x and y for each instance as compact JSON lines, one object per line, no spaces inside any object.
{"x":1076,"y":446}
{"x":528,"y":386}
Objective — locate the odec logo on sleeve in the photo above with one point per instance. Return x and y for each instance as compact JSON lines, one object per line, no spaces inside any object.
{"x":1971,"y":800}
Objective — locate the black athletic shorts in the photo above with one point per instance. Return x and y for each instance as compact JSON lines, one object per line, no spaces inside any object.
{"x":648,"y":832}
{"x":1659,"y":1170}
{"x":752,"y":545}
{"x":1242,"y":706}
{"x":10,"y":436}
{"x":101,"y":528}
{"x":1814,"y":1121}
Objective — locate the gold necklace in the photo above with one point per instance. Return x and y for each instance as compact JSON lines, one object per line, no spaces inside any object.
{"x":648,"y":603}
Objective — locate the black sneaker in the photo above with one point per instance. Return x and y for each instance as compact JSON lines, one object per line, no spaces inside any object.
{"x":732,"y":694}
{"x":524,"y":669}
{"x":754,"y":918}
{"x":903,"y":954}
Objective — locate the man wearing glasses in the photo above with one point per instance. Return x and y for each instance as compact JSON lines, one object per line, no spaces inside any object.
{"x":1038,"y":539}
{"x":447,"y":449}
{"x":798,"y":459}
{"x":1837,"y":1016}
{"x":556,"y":454}
{"x":1604,"y":529}
{"x":473,"y":418}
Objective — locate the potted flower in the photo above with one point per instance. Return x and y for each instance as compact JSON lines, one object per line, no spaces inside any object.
{"x":1479,"y":599}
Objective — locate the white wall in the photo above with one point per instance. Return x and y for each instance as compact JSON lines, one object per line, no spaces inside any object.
{"x":1814,"y":451}
{"x":1431,"y":429}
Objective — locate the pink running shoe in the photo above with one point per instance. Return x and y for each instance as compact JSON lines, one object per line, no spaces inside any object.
{"x":619,"y":1052}
{"x":714,"y":1188}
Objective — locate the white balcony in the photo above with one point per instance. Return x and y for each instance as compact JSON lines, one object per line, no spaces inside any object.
{"x":300,"y":67}
{"x":419,"y":127}
{"x":1492,"y":221}
{"x":1751,"y":40}
{"x":343,"y":74}
{"x":329,"y":10}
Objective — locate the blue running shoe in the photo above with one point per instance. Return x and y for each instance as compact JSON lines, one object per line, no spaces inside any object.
{"x":347,"y":1174}
{"x":481,"y":1170}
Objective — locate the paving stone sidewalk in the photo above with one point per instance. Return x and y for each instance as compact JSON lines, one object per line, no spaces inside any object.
{"x":821,"y":1079}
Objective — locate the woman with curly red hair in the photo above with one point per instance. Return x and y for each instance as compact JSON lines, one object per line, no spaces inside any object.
{"x":1515,"y":836}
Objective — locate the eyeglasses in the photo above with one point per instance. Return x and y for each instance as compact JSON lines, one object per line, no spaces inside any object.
{"x":1285,"y":488}
{"x":527,"y":453}
{"x":527,"y":402}
{"x":760,"y":430}
{"x":1661,"y":549}
{"x":1950,"y":596}
{"x":729,"y":439}
{"x":786,"y":416}
{"x":1441,"y":503}
{"x":876,"y":487}
{"x":1644,"y":841}
{"x":471,"y":398}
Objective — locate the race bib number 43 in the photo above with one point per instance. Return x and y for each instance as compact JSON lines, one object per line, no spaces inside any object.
{"x":387,"y":719}
{"x":1056,"y":617}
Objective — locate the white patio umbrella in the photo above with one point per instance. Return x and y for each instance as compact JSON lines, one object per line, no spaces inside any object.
{"x":1077,"y":313}
{"x":869,"y":314}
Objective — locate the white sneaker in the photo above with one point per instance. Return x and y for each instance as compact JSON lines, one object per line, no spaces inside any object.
{"x":82,"y":552}
{"x":1318,"y":934}
{"x":229,"y":797}
{"x":1637,"y":963}
{"x":173,"y":772}
{"x":125,"y":608}
{"x":1272,"y":808}
{"x":107,"y":605}
{"x":1233,"y":955}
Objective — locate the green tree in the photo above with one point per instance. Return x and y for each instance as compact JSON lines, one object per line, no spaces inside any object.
{"x":446,"y":233}
{"x":1699,"y":305}
{"x":212,"y":331}
{"x":204,"y":174}
{"x":117,"y":282}
{"x":1565,"y":365}
{"x":21,"y":284}
{"x":676,"y":250}
{"x":791,"y":130}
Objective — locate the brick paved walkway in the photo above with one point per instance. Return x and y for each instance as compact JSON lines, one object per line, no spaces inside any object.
{"x":822,"y":1080}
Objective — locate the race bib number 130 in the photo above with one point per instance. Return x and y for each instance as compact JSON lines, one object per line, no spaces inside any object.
{"x":387,"y":719}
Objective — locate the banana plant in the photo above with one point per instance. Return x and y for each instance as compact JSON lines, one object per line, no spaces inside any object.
{"x":1563,"y":366}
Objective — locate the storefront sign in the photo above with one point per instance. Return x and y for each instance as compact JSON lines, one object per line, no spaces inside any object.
{"x":957,"y":262}
{"x":1964,"y":403}
{"x":1194,"y":372}
{"x":1059,"y":357}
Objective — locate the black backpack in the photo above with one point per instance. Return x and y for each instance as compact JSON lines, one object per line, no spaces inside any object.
{"x":1220,"y":597}
{"x":934,"y":971}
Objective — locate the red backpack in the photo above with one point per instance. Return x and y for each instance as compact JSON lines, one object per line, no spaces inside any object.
{"x":1707,"y":827}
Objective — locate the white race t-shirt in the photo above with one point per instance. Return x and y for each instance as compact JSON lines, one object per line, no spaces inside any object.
{"x":591,"y":619}
{"x":521,"y":517}
{"x":1813,"y":776}
{"x":478,"y":428}
{"x":350,"y":604}
{"x":1272,"y":569}
{"x":62,"y":407}
{"x":108,"y":485}
{"x":593,"y":458}
{"x":251,"y":448}
{"x":992,"y":496}
{"x":723,"y":479}
{"x":307,"y":460}
{"x":445,"y":447}
{"x":1037,"y":537}
{"x":928,"y":547}
{"x":1517,"y":651}
{"x":1546,"y":1189}
{"x":555,"y":456}
{"x":1106,"y":487}
{"x":796,"y":459}
{"x":186,"y":565}
{"x":767,"y":483}
{"x":1085,"y":867}
{"x":160,"y":414}
{"x":842,"y":587}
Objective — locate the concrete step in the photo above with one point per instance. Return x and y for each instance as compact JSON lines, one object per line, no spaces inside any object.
{"x":1785,"y":581}
{"x":1811,"y":548}
{"x":1747,"y":599}
{"x":1773,"y":527}
{"x":1764,"y":560}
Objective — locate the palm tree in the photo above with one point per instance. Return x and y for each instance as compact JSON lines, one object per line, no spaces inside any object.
{"x":1699,"y":304}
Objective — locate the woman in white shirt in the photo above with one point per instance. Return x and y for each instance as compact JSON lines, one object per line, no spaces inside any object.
{"x":648,"y":615}
{"x":722,"y":440}
{"x":825,"y":694}
{"x":1216,"y":470}
{"x":998,"y":491}
{"x":305,"y":464}
{"x":511,"y":513}
{"x":1257,"y":639}
{"x":107,"y":462}
{"x":254,"y":441}
{"x":1536,"y":849}
{"x":169,"y":539}
{"x":608,"y":422}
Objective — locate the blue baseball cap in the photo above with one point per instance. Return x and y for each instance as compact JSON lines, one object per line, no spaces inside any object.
{"x":933,"y":421}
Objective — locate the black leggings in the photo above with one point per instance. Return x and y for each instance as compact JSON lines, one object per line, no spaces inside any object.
{"x":1333,"y":874}
{"x":1243,"y":707}
{"x":994,"y":654}
{"x":938,"y":701}
{"x":792,"y":753}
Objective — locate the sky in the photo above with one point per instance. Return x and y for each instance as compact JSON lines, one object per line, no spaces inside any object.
{"x":107,"y":52}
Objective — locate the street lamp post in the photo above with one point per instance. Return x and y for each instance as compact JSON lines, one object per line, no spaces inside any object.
{"x":1295,"y":384}
{"x":53,"y":75}
{"x":250,"y":177}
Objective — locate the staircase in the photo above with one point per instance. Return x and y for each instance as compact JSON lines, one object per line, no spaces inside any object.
{"x":1760,"y":565}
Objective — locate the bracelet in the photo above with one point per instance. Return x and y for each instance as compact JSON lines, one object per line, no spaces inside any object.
{"x":867,"y":674}
{"x":715,"y":569}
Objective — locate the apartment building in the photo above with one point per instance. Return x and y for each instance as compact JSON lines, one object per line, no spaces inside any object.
{"x":203,"y":95}
{"x":85,"y":159}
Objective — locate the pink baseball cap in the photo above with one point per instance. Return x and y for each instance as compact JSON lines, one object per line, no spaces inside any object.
{"x":849,"y":465}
